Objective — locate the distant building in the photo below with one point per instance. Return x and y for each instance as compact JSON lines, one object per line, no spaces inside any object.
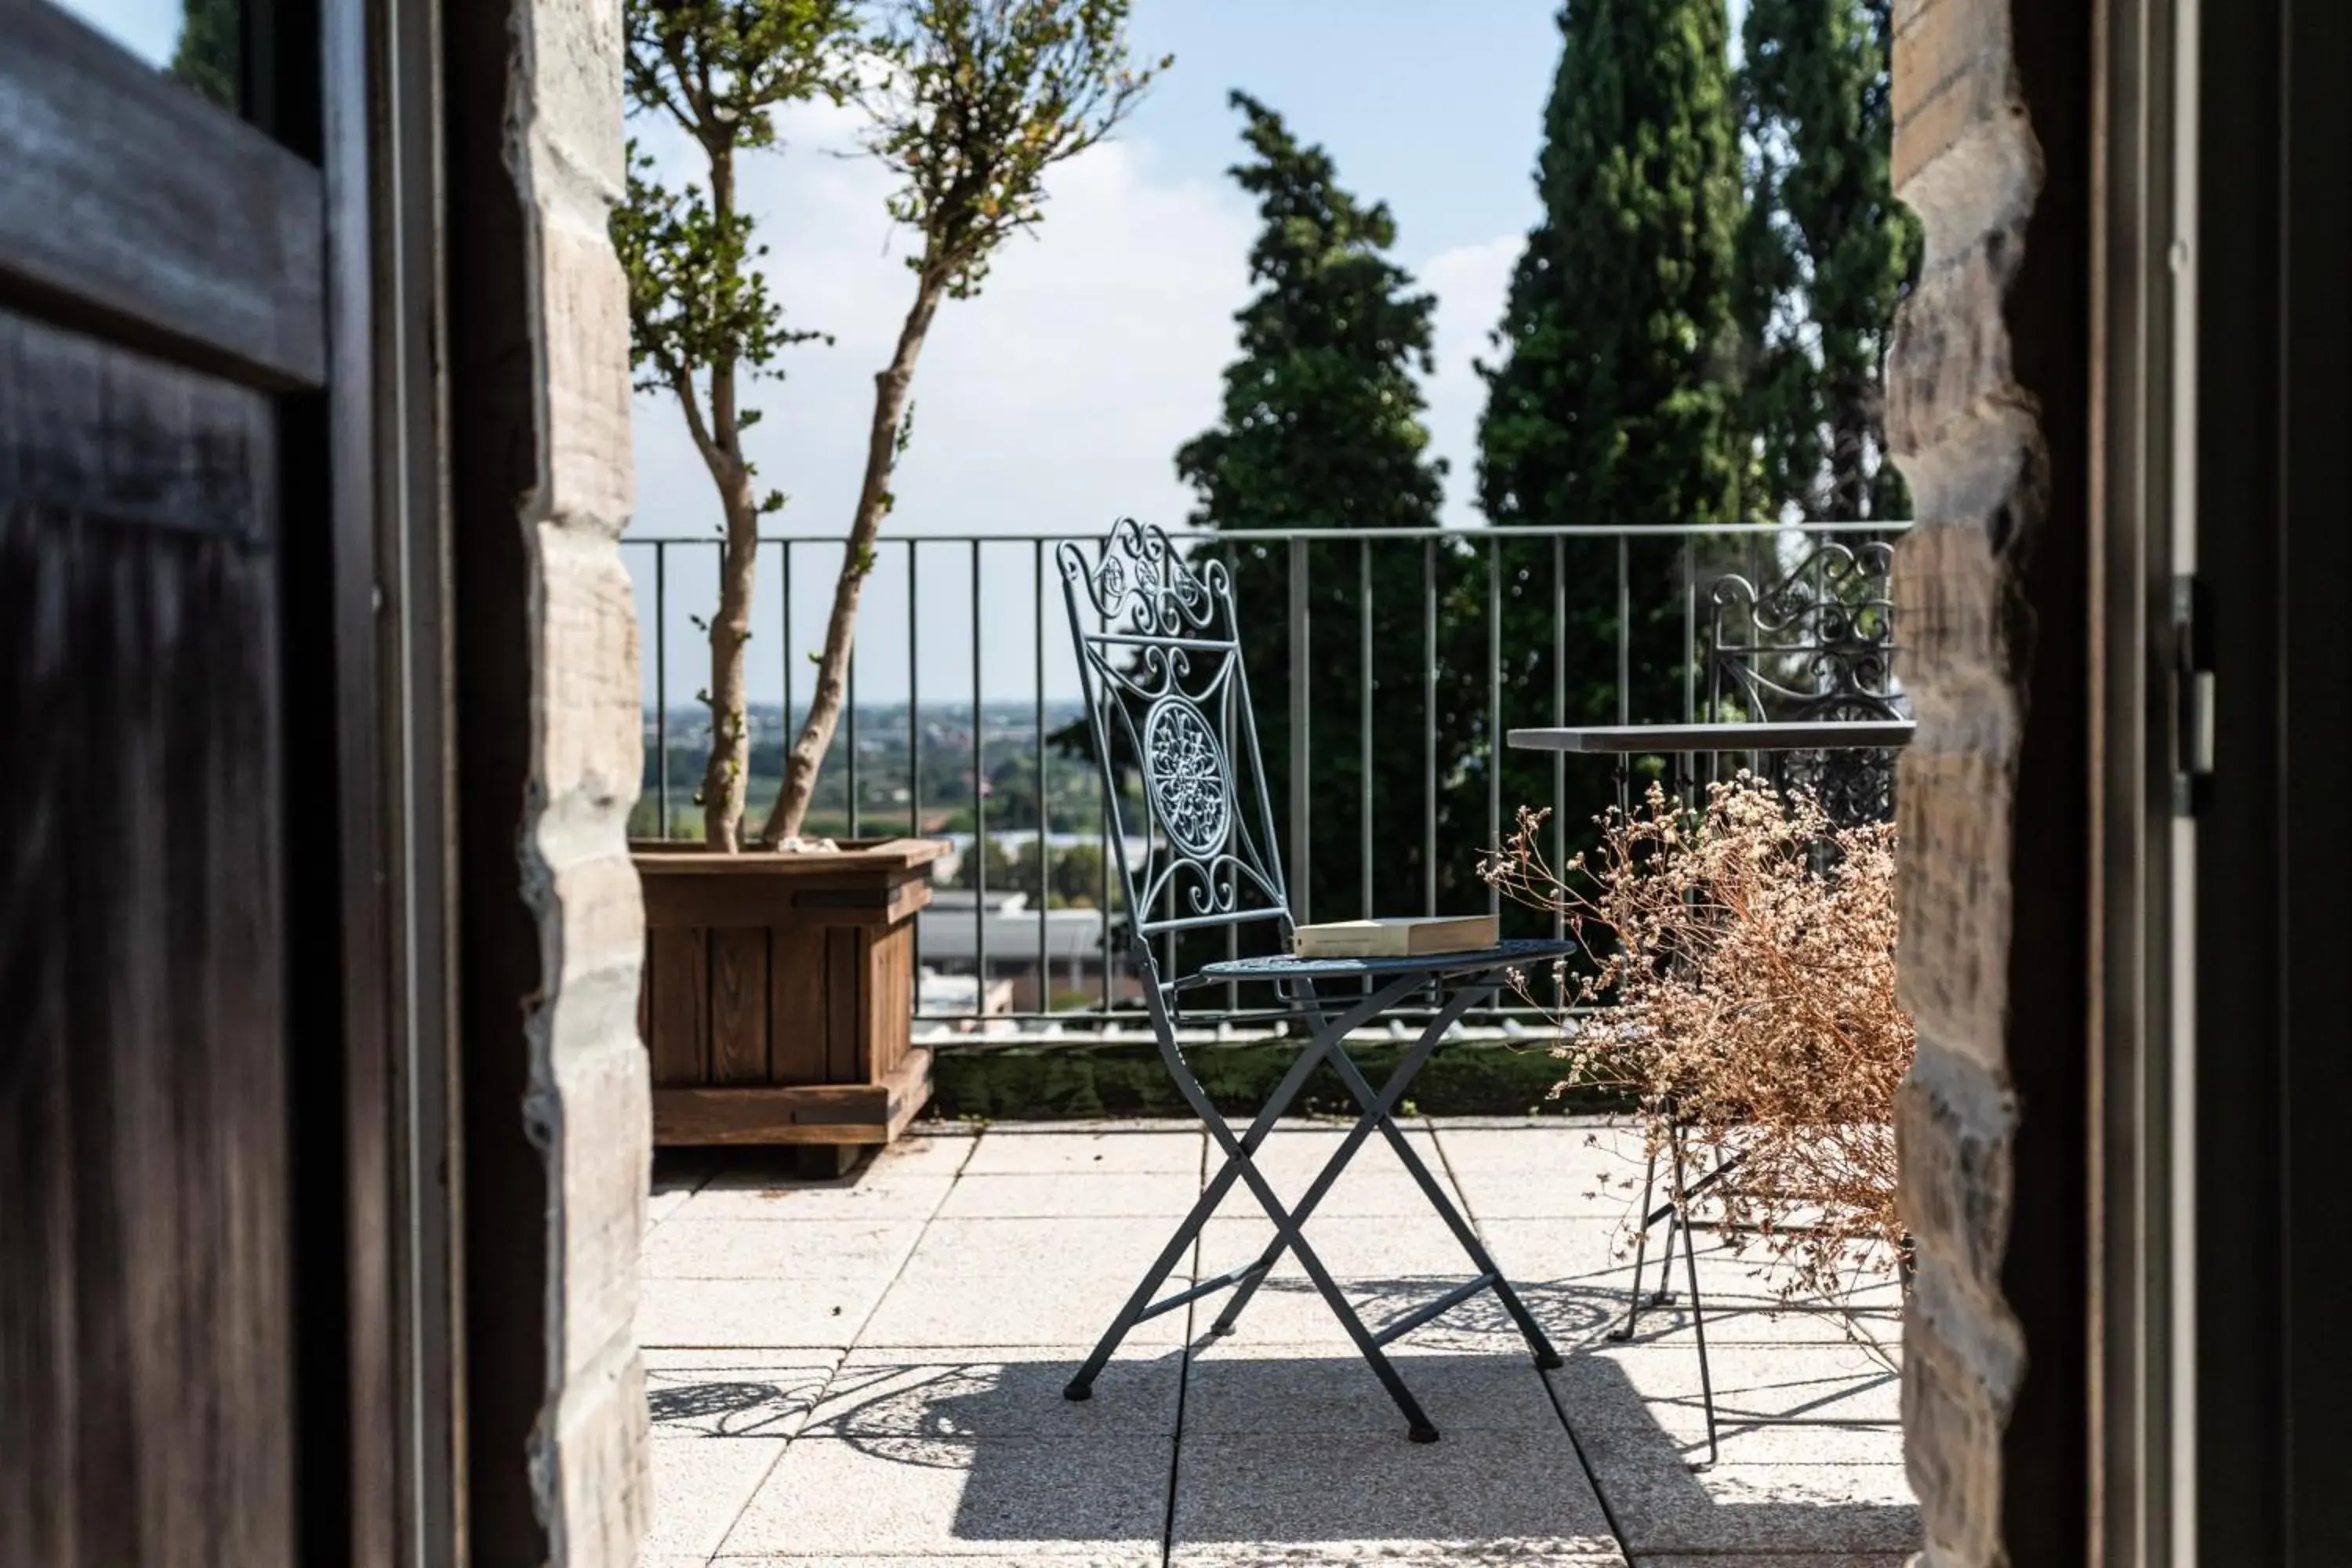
{"x":949,"y":937}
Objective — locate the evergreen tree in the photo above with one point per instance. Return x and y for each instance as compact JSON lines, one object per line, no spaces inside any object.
{"x":1826,"y":255}
{"x":1612,"y":400}
{"x":1322,"y":428}
{"x":208,"y":55}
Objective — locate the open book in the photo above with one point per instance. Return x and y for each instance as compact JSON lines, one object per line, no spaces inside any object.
{"x":1410,"y":936}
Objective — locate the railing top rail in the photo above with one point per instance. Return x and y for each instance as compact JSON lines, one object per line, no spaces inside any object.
{"x":1512,"y":531}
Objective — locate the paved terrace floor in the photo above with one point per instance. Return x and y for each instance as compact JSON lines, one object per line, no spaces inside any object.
{"x":867,"y":1371}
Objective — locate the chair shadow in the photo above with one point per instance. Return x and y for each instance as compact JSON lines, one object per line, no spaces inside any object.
{"x":1292,"y":1446}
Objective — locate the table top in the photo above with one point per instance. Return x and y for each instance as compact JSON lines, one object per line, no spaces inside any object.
{"x":1656,"y":740}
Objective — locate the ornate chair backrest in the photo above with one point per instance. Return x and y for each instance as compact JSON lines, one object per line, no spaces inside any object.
{"x":1817,"y":644}
{"x":1160,"y":662}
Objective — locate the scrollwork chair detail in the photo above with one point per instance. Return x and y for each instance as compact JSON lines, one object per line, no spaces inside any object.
{"x":1817,"y":644}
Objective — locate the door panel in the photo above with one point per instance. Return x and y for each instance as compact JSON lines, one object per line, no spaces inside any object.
{"x":146,"y":1333}
{"x":162,"y":330}
{"x":130,"y":204}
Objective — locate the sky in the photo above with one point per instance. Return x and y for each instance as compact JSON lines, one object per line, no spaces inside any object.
{"x":1054,"y":403}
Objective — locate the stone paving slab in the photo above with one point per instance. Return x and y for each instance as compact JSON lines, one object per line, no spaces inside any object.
{"x":1089,"y":1152}
{"x":701,"y":1488}
{"x":1236,"y":1387}
{"x":1352,"y":1490}
{"x":1776,"y":1560}
{"x":1051,"y":1308}
{"x":1113,"y":1195}
{"x":867,"y":1371}
{"x":1392,"y":1554}
{"x":1029,"y":1497}
{"x":688,"y":1248}
{"x":978,"y":1249}
{"x":778,"y":1314}
{"x":1351,"y":1246}
{"x":733,"y":1393}
{"x":999,"y":1391}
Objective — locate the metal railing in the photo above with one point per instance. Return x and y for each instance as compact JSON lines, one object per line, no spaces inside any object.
{"x":1017,"y":683}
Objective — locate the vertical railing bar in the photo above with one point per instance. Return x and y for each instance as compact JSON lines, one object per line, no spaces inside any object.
{"x":1560,"y":716}
{"x":1494,"y":710}
{"x":1301,"y":865}
{"x":1429,"y":725}
{"x":1690,"y":631}
{"x":1102,"y":898}
{"x":1233,"y":932}
{"x":852,"y":727}
{"x":1364,"y":717}
{"x":1045,"y":880}
{"x":914,"y":751}
{"x":914,"y":702}
{"x":978,"y":812}
{"x":785,"y":582}
{"x":661,"y":684}
{"x":1625,"y":629}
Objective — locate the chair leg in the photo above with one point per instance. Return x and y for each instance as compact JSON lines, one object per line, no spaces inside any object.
{"x":1698,"y":1314}
{"x":1641,"y":1254}
{"x":1664,"y":1295}
{"x":1240,"y":1164}
{"x":1377,"y":1104}
{"x":1139,"y":1304}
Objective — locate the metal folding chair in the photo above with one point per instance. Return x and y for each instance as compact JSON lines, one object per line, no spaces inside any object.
{"x":1159,"y":655}
{"x":1815,"y":644}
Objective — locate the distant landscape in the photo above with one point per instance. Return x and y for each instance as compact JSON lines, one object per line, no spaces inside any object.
{"x":917,"y":778}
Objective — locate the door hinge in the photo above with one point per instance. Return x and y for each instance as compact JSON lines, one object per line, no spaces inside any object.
{"x":2192,"y":695}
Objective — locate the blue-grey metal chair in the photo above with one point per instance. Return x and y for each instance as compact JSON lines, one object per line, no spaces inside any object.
{"x":1816,"y":644}
{"x":1160,"y":657}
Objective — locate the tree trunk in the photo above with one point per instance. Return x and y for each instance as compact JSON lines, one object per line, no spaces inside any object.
{"x":890,"y":388}
{"x":727,"y":774}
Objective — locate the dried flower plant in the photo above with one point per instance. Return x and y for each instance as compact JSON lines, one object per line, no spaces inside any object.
{"x":1738,"y":964}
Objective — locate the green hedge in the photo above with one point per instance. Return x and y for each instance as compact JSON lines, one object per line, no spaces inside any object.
{"x":1041,"y":1083}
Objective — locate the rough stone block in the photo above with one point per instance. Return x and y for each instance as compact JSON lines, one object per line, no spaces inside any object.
{"x":1953,"y":1125}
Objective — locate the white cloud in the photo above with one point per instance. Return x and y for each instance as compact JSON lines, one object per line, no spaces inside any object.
{"x":1471,"y":282}
{"x":1052,"y":403}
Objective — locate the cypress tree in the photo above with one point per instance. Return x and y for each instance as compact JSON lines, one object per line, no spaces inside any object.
{"x":1322,"y":428}
{"x":1826,"y":254}
{"x":1612,"y":400}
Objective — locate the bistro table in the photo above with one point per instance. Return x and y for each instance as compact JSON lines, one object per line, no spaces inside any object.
{"x":1663,"y":740}
{"x":1689,"y":741}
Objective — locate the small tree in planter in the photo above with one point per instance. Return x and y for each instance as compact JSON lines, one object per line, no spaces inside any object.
{"x":767,"y":975}
{"x":981,"y":97}
{"x":971,"y":102}
{"x":701,"y":321}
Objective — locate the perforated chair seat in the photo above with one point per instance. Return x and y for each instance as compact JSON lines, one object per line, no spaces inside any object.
{"x":1284,"y":966}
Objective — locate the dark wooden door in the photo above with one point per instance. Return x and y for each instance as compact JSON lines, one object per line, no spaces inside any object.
{"x":161,"y":329}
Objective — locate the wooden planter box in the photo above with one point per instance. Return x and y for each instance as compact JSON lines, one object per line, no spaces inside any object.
{"x":779,"y":991}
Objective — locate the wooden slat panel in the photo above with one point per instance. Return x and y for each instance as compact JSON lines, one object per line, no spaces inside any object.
{"x":679,"y":964}
{"x":739,"y":1006}
{"x":797,"y":1019}
{"x":845,"y":1000}
{"x":707,"y":900}
{"x":891,"y":957}
{"x":816,"y":1113}
{"x":129,"y":197}
{"x":146,"y":1329}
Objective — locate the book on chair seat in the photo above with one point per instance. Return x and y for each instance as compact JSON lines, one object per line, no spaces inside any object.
{"x":1411,"y":936}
